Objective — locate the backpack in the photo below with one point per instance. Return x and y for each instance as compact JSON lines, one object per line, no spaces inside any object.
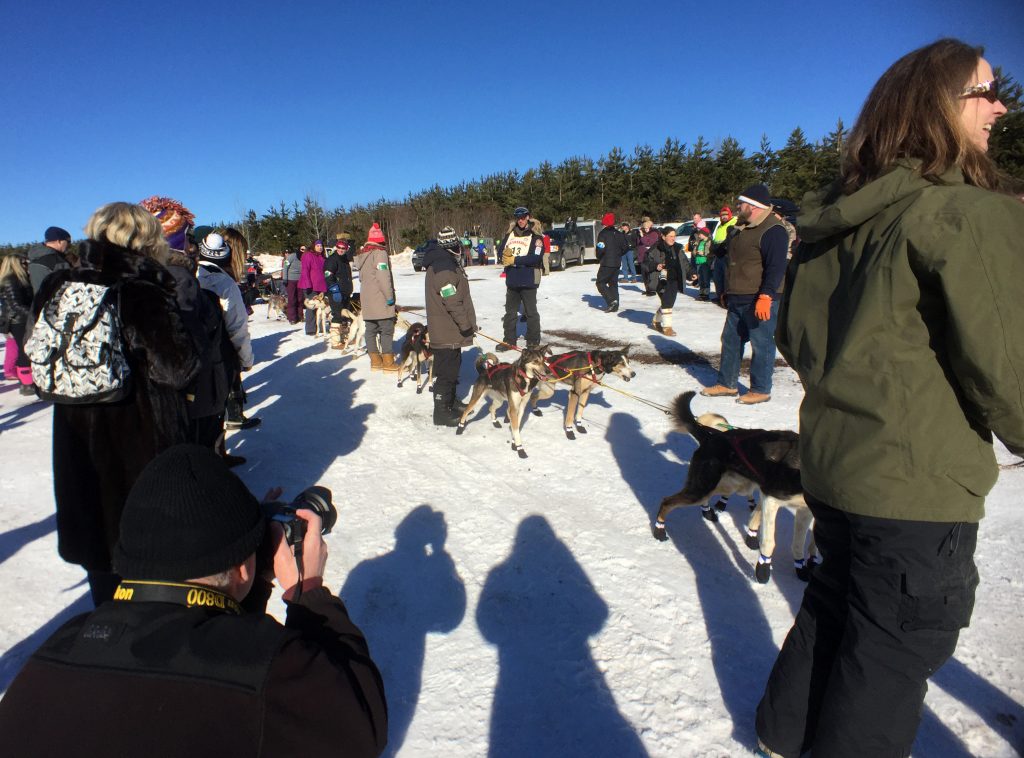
{"x":77,"y":349}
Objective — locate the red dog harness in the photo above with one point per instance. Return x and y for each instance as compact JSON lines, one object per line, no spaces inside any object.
{"x":570,"y":371}
{"x":522,"y":386}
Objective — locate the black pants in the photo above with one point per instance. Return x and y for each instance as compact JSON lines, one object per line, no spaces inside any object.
{"x":880,"y":615}
{"x":447,"y":362}
{"x":608,"y":283}
{"x":336,"y":308}
{"x":527,"y":298}
{"x":667,"y":291}
{"x":236,"y":399}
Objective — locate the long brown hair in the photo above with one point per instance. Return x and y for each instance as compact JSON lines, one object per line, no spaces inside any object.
{"x":913,"y":111}
{"x":239,"y":246}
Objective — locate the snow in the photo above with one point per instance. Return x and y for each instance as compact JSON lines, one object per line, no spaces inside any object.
{"x":522,"y":607}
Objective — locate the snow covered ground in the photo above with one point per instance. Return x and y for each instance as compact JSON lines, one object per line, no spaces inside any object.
{"x":521,"y":607}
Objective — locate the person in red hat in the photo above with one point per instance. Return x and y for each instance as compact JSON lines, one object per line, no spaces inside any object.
{"x":611,"y":246}
{"x":377,"y":297}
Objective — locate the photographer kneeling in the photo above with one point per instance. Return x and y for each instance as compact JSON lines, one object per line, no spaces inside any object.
{"x":184,"y":660}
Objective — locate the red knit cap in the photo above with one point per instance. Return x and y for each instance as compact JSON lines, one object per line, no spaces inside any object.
{"x":608,"y":219}
{"x":726,"y":210}
{"x":376,"y":235}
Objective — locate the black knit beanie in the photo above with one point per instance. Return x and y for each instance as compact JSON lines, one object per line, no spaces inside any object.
{"x":187,"y":517}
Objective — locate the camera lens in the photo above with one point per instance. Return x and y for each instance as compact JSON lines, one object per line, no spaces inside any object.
{"x":319,"y":500}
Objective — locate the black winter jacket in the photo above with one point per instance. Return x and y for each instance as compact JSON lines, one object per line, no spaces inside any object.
{"x":611,"y":246}
{"x":15,"y":302}
{"x":338,"y":269}
{"x":99,"y":450}
{"x":160,"y":679}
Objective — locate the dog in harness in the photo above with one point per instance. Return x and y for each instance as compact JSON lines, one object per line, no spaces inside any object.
{"x":512,"y":383}
{"x":414,"y":358}
{"x":732,"y":461}
{"x":581,"y":370}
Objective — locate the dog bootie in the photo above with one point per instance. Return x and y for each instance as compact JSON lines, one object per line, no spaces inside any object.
{"x":763,"y":569}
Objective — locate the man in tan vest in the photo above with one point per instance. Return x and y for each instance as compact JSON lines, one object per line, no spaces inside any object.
{"x":754,"y":281}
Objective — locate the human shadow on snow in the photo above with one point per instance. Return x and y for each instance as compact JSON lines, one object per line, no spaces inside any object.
{"x":299,"y":439}
{"x":398,"y":599}
{"x":742,"y":650}
{"x":15,"y":417}
{"x":539,"y":608}
{"x":14,"y":540}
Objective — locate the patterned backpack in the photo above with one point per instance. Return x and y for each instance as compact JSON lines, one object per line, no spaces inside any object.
{"x":76,"y":347}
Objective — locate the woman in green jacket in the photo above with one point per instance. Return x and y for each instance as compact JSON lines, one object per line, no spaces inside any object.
{"x":904,"y":321}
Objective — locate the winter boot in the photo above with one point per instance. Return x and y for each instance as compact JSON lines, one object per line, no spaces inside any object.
{"x":389,"y":363}
{"x":443,"y":413}
{"x":376,"y":362}
{"x":666,"y":323}
{"x":656,"y":322}
{"x":336,"y":336}
{"x":456,"y":405}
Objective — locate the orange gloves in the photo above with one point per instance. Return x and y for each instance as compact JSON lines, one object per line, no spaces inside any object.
{"x":763,"y":307}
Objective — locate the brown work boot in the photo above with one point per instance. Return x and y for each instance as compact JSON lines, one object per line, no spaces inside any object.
{"x":656,"y":326}
{"x":719,"y":390}
{"x":752,"y":398}
{"x":668,"y":331}
{"x":376,"y":362}
{"x":389,"y":362}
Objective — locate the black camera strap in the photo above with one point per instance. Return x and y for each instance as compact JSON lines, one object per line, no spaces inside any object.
{"x":180,"y":593}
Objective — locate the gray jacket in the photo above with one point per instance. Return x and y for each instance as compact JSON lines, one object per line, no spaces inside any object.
{"x":376,"y":287}
{"x":43,"y":261}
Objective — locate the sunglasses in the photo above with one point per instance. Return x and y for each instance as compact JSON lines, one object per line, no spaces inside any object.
{"x":988,"y":90}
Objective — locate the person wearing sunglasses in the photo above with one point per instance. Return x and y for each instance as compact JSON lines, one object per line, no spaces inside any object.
{"x":903,"y":319}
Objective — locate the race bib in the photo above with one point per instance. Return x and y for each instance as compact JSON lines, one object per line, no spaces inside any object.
{"x":517,"y":246}
{"x":382,"y":267}
{"x":447,"y":290}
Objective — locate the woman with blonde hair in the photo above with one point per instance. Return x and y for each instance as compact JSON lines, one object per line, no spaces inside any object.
{"x":904,"y":321}
{"x":15,"y":309}
{"x":99,"y":449}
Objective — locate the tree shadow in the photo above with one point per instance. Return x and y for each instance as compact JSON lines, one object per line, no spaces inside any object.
{"x":15,"y":539}
{"x":399,"y":598}
{"x":539,"y":608}
{"x":742,"y":647}
{"x":14,"y":658}
{"x":15,"y":417}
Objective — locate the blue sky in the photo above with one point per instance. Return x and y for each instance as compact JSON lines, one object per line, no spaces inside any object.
{"x":234,"y":105}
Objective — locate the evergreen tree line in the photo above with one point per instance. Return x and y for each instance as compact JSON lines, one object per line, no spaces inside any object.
{"x":668,"y":184}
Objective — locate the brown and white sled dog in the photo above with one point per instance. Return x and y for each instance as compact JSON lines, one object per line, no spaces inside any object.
{"x":744,"y":462}
{"x":507,"y":382}
{"x":353,"y":338}
{"x":581,"y":370}
{"x":276,"y":304}
{"x":414,"y":357}
{"x":322,"y":309}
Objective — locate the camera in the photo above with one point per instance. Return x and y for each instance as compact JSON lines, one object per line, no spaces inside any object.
{"x":316,"y":499}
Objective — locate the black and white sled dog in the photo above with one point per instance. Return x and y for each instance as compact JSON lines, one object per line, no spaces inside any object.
{"x":732,"y":461}
{"x":512,"y":383}
{"x":414,"y":357}
{"x":581,"y":370}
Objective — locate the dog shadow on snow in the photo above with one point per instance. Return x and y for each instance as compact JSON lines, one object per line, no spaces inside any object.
{"x":539,"y":608}
{"x":742,"y":648}
{"x":298,"y":440}
{"x":398,"y":599}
